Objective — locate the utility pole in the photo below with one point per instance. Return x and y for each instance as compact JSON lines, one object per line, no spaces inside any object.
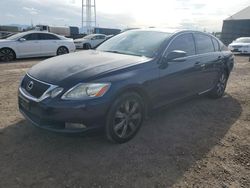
{"x":88,"y":15}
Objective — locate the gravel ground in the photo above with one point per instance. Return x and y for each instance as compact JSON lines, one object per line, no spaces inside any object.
{"x":197,"y":143}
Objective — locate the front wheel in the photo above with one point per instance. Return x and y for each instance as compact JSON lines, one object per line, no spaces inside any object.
{"x":125,"y":118}
{"x":219,"y":89}
{"x":86,"y":46}
{"x":7,"y":54}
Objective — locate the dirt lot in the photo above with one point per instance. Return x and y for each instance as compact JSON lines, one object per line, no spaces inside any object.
{"x":198,"y":143}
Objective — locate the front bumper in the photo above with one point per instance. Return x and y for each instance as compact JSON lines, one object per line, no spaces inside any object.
{"x":242,"y":50}
{"x":54,"y":114}
{"x":79,"y":45}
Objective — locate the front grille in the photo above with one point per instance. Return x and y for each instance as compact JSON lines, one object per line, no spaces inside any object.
{"x":38,"y":88}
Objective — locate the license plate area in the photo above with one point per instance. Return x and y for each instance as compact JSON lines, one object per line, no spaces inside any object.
{"x":24,"y":103}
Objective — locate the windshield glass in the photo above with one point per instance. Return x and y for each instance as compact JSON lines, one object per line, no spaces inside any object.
{"x":88,"y":36}
{"x":243,"y":40}
{"x":16,"y":36}
{"x":136,"y":42}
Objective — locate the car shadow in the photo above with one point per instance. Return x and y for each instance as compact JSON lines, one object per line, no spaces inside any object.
{"x":168,"y":144}
{"x":25,"y":60}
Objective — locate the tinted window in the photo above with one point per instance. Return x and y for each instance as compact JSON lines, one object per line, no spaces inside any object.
{"x":216,"y":44}
{"x":45,"y":36}
{"x":184,"y":42}
{"x":101,"y":37}
{"x":32,"y":36}
{"x":203,"y":43}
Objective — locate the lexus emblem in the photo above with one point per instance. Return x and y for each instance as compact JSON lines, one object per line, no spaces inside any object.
{"x":30,"y":85}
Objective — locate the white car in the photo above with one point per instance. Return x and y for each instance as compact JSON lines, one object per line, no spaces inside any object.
{"x":241,"y":45}
{"x":34,"y":44}
{"x":90,"y":41}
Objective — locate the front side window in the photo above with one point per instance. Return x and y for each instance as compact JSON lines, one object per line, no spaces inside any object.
{"x":184,"y":42}
{"x":203,"y":43}
{"x":33,"y":36}
{"x":101,"y":37}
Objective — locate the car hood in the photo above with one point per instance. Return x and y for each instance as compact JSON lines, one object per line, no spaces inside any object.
{"x":81,"y":66}
{"x":3,"y":41}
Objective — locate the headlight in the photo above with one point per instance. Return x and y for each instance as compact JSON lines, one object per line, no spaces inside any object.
{"x":86,"y":91}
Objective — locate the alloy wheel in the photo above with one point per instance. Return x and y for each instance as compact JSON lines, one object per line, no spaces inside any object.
{"x":221,"y":85}
{"x":7,"y":54}
{"x":62,"y":50}
{"x":128,"y":117}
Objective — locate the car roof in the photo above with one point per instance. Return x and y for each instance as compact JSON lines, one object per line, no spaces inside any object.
{"x":33,"y":31}
{"x":172,"y":31}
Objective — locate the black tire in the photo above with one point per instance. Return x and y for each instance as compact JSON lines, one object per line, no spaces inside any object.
{"x":124,"y":118}
{"x":7,"y":54}
{"x":86,"y":46}
{"x":220,"y":87}
{"x":62,"y":50}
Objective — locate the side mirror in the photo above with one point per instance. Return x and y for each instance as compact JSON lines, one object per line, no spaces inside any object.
{"x":22,"y":40}
{"x":176,"y":56}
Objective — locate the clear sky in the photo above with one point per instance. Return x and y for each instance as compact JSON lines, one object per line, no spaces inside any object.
{"x":190,"y":14}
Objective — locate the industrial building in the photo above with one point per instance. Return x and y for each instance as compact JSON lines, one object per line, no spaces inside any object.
{"x":237,"y":25}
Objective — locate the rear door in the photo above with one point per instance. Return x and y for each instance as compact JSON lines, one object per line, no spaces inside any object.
{"x":49,"y":43}
{"x":31,"y":47}
{"x":178,"y":79}
{"x":208,"y":61}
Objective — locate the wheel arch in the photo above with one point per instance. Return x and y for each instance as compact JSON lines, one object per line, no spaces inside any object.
{"x":10,"y":49}
{"x":64,"y":47}
{"x":138,"y":90}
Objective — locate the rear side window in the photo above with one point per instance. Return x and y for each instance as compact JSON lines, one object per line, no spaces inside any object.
{"x":184,"y":42}
{"x":223,"y":47}
{"x":216,"y":45}
{"x":203,"y":43}
{"x":45,"y":36}
{"x":32,"y":36}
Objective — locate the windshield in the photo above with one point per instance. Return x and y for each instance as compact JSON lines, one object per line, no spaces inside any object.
{"x":88,"y":36}
{"x":136,"y":42}
{"x":15,"y":36}
{"x":243,"y":40}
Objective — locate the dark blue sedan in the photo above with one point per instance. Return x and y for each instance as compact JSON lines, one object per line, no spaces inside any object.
{"x":115,"y":86}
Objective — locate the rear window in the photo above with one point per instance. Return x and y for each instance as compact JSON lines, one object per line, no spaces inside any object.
{"x":204,"y":43}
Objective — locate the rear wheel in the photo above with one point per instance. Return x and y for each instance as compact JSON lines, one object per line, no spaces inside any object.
{"x":7,"y":54}
{"x":62,"y":50}
{"x":219,"y":89}
{"x":125,"y":118}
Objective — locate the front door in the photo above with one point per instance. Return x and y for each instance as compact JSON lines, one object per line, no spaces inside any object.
{"x":30,"y":47}
{"x":178,"y":78}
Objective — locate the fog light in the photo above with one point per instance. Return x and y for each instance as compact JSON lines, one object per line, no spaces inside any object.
{"x":75,"y":126}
